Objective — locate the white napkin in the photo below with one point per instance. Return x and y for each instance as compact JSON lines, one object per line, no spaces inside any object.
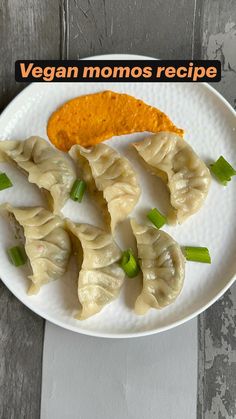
{"x":143,"y":378}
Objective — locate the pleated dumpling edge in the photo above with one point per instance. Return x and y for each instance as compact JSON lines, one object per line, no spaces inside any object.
{"x":168,"y":156}
{"x":47,"y":243}
{"x":162,"y":264}
{"x":50,"y":169}
{"x":100,"y":277}
{"x":111,"y":180}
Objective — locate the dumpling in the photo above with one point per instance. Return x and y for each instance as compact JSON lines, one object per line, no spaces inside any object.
{"x":47,"y":244}
{"x":110,"y":179}
{"x":168,"y":156}
{"x":100,"y":277}
{"x":45,"y":166}
{"x":163,"y":267}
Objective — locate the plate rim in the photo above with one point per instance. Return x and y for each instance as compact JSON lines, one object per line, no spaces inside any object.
{"x":160,"y":329}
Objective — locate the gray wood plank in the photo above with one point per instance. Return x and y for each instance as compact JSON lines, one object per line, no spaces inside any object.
{"x":26,"y":31}
{"x":217,"y":342}
{"x":217,"y":360}
{"x":157,"y":28}
{"x":21,"y":348}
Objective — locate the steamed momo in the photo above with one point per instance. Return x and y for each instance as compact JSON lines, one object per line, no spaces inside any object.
{"x":168,"y":156}
{"x":110,"y":179}
{"x":48,"y":168}
{"x":163,"y":267}
{"x":100,"y":277}
{"x":47,"y":244}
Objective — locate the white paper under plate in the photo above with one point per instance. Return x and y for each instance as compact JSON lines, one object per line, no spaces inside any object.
{"x":210,"y":125}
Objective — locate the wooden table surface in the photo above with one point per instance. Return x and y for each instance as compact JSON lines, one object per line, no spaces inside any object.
{"x":72,"y":29}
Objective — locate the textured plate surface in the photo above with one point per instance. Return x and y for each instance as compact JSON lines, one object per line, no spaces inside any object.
{"x":210,"y":125}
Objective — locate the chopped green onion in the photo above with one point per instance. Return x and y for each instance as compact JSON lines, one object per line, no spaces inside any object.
{"x":4,"y":182}
{"x":222,"y":170}
{"x":17,"y":256}
{"x":77,"y":191}
{"x":197,"y":254}
{"x":156,"y":218}
{"x":129,"y":264}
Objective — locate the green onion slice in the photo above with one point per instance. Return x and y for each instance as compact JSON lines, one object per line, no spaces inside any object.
{"x":156,"y":218}
{"x":78,"y":190}
{"x":17,"y":256}
{"x":4,"y":182}
{"x":222,"y":170}
{"x":129,"y":264}
{"x":197,"y":254}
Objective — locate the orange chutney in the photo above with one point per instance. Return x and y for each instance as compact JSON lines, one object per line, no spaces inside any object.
{"x":90,"y":119}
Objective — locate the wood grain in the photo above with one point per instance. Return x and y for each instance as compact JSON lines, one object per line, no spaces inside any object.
{"x":26,"y":31}
{"x":217,"y":341}
{"x":21,"y":348}
{"x":157,"y":28}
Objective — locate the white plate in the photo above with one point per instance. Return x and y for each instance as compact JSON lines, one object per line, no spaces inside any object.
{"x":210,"y":125}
